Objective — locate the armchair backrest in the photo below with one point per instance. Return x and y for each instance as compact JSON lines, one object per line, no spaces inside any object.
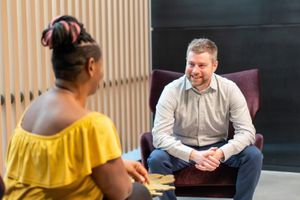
{"x":247,"y":81}
{"x":159,"y":79}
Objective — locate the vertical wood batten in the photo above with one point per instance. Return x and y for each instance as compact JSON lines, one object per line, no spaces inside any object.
{"x":131,"y":85}
{"x":47,"y":65}
{"x":138,"y":68}
{"x":92,"y":14}
{"x":34,"y":39}
{"x":42,"y":49}
{"x":53,"y":12}
{"x":70,"y":7}
{"x":84,"y":6}
{"x":99,"y":93}
{"x":148,"y":55}
{"x":134,"y":69}
{"x":56,"y":9}
{"x":2,"y":127}
{"x":101,"y":32}
{"x":62,"y":7}
{"x":105,"y":61}
{"x":128,"y":79}
{"x":134,"y":74}
{"x":109,"y":50}
{"x":14,"y":66}
{"x":38,"y":29}
{"x":23,"y":58}
{"x":7,"y":88}
{"x":121,"y":73}
{"x":146,"y":42}
{"x":142,"y":67}
{"x":85,"y":20}
{"x":114,"y":66}
{"x":145,"y":29}
{"x":134,"y":66}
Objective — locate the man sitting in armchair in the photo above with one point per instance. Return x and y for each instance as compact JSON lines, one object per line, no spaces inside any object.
{"x":192,"y":119}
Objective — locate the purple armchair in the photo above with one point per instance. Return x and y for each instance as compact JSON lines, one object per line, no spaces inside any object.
{"x":191,"y":181}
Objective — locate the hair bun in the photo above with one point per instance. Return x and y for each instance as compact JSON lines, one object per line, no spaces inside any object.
{"x":61,"y":32}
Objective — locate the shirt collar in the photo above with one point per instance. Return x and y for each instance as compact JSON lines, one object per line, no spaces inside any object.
{"x":213,"y":83}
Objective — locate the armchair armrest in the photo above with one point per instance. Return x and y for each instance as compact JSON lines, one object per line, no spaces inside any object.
{"x":259,"y":141}
{"x":147,"y":147}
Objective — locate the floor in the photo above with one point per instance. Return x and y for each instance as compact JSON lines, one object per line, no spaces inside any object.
{"x":272,"y":185}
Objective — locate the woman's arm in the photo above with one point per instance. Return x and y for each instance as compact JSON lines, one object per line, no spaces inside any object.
{"x":137,"y":171}
{"x":113,"y":180}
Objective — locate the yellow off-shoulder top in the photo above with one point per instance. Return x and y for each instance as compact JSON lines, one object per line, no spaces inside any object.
{"x":60,"y":166}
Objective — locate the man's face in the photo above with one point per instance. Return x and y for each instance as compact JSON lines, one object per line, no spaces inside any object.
{"x":199,"y":69}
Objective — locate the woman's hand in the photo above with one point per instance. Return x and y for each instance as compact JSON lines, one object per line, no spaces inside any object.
{"x":137,"y":171}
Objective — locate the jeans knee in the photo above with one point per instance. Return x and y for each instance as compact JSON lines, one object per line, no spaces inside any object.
{"x":157,"y":160}
{"x":254,"y":155}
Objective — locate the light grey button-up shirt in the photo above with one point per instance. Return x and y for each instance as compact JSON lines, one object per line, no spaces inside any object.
{"x":184,"y":117}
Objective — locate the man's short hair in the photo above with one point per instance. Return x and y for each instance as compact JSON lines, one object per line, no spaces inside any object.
{"x":202,"y":45}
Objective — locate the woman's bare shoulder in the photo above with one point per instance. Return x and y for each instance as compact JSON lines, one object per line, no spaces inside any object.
{"x":48,"y":115}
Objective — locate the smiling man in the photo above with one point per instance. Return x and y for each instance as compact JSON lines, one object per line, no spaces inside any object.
{"x":191,"y":123}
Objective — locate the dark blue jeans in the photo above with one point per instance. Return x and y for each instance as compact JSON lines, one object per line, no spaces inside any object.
{"x":249,"y":162}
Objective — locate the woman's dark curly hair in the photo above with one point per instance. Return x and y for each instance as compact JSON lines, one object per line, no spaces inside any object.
{"x":72,"y":46}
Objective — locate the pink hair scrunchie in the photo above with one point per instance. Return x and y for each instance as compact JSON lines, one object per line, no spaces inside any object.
{"x":71,"y":27}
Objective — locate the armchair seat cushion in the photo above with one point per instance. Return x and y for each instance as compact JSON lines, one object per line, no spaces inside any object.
{"x":191,"y":176}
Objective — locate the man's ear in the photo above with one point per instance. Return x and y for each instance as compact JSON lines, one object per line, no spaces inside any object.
{"x":215,"y":65}
{"x":90,"y":66}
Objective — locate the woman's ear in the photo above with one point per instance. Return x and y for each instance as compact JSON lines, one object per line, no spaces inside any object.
{"x":90,"y":66}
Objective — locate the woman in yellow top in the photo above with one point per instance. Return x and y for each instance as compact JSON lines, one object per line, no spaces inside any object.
{"x":60,"y":149}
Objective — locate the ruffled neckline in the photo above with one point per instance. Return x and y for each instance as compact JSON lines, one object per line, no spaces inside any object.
{"x":58,"y":134}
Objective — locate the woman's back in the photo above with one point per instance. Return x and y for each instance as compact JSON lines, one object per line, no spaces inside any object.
{"x":52,"y":112}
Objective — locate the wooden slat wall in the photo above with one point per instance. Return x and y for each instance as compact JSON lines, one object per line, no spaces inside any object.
{"x":121,"y":28}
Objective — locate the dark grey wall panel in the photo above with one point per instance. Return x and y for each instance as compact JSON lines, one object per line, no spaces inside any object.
{"x":249,"y":33}
{"x":194,"y":13}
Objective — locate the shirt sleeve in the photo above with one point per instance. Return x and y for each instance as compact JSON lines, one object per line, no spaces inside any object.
{"x":239,"y":115}
{"x":162,"y":131}
{"x":104,"y":143}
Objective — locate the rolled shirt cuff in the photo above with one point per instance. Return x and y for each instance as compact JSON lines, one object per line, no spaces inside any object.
{"x":183,"y":152}
{"x":228,"y":150}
